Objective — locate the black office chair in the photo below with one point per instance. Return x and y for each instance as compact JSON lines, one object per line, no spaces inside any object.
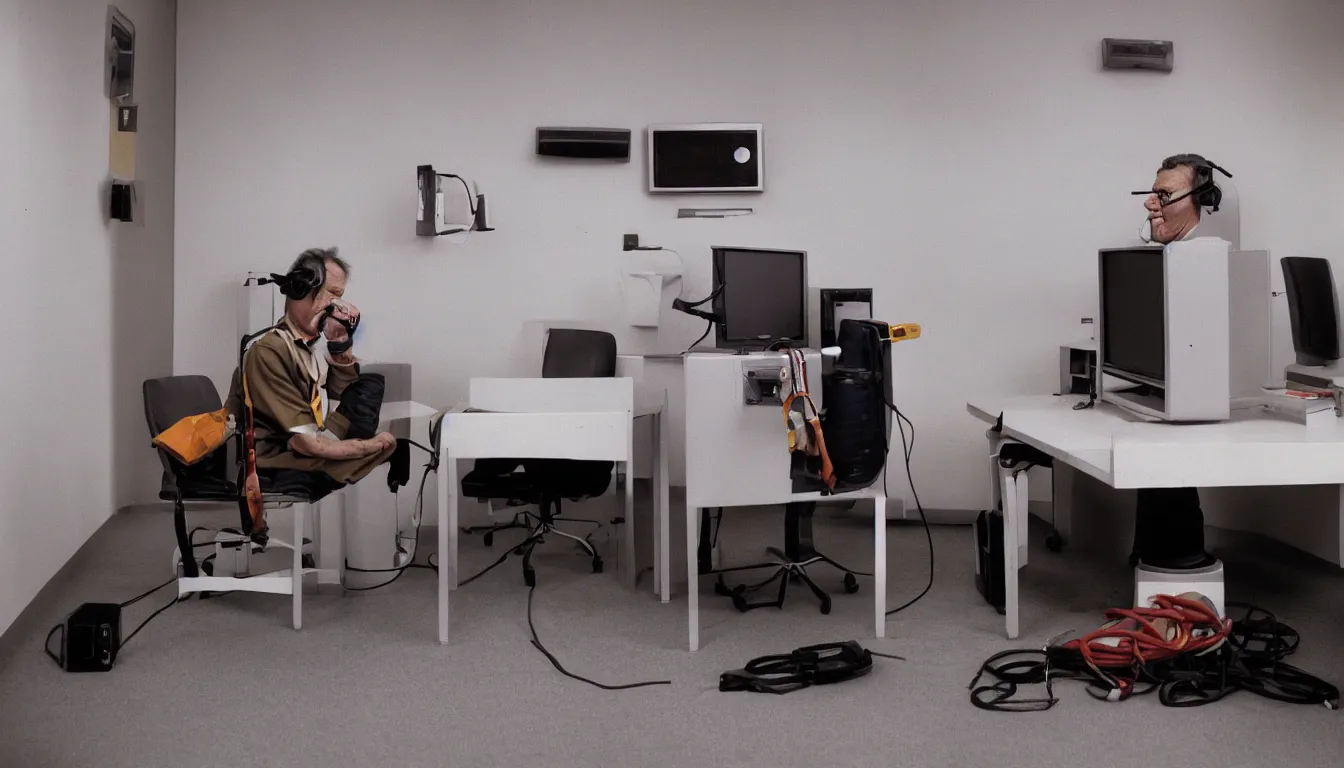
{"x":215,"y":479}
{"x":857,"y":425}
{"x":571,"y":354}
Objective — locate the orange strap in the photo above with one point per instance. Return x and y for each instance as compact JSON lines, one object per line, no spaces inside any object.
{"x":797,"y":373}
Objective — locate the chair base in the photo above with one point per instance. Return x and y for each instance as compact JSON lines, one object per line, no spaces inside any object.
{"x":546,"y":524}
{"x":234,"y":573}
{"x":792,"y":562}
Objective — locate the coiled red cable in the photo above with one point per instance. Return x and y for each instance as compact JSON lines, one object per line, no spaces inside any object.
{"x":1136,"y":637}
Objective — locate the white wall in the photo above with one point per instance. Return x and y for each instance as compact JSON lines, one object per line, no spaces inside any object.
{"x":965,"y":159}
{"x":88,"y":304}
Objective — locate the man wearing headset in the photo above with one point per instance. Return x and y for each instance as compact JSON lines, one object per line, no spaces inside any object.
{"x":1169,"y":524}
{"x":291,"y":370}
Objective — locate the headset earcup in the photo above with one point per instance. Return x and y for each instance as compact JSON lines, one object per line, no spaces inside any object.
{"x":1215,"y":197}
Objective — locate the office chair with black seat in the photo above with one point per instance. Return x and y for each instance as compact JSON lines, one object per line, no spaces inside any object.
{"x":570,"y":353}
{"x":212,"y":480}
{"x":857,"y":394}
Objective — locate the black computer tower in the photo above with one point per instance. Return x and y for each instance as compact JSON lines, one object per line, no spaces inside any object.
{"x":989,"y":557}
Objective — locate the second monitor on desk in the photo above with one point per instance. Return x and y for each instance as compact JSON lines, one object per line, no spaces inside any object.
{"x":760,"y":298}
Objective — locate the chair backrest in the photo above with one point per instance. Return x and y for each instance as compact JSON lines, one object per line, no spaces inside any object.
{"x":173,"y":398}
{"x":578,"y":354}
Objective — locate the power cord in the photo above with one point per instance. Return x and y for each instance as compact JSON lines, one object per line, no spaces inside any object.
{"x":176,"y":599}
{"x":1251,"y":659}
{"x":708,"y":327}
{"x":536,"y":643}
{"x":419,"y":518}
{"x":908,"y":449}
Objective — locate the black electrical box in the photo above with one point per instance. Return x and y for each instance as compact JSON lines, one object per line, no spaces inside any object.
{"x":989,"y":557}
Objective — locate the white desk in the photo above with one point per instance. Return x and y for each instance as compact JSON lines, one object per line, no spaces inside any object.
{"x":737,"y":455}
{"x":1123,"y":451}
{"x":583,"y":419}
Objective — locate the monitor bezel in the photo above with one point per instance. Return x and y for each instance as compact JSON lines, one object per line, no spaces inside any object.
{"x":721,"y":339}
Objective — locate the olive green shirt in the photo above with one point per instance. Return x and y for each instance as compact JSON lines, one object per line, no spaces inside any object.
{"x":288,"y":380}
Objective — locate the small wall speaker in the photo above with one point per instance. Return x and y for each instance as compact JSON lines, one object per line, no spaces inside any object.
{"x":585,"y":143}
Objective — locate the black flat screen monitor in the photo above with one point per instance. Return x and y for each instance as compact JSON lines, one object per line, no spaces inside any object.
{"x":761,"y":297}
{"x":1133,"y":314}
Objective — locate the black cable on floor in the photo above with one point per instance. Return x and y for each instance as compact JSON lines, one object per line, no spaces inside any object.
{"x":420,"y":518}
{"x":536,"y":643}
{"x":170,"y":604}
{"x":908,"y":449}
{"x":1250,"y":660}
{"x":143,"y":595}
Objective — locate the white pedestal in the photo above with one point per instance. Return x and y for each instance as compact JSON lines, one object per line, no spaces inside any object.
{"x":1150,"y":581}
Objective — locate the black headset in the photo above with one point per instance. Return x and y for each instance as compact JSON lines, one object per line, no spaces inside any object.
{"x":305,"y":278}
{"x":1207,"y":193}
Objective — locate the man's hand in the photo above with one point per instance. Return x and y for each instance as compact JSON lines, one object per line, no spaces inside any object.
{"x":384,"y":441}
{"x":335,"y":331}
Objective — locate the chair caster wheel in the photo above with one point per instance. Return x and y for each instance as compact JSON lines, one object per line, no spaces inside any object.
{"x":851,"y":584}
{"x":490,"y":539}
{"x":597,"y":565}
{"x":1055,"y":543}
{"x":530,"y":577}
{"x":721,"y":589}
{"x":826,"y":607}
{"x":518,"y":551}
{"x":739,"y":599}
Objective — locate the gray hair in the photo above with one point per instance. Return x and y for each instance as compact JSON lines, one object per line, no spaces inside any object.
{"x":322,"y":256}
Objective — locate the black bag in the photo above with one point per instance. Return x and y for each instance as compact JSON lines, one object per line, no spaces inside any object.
{"x":855,"y":395}
{"x":361,"y":402}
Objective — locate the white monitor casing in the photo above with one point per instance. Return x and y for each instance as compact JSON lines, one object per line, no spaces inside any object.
{"x":1196,"y":383}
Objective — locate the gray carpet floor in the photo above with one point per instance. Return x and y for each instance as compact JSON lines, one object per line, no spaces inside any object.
{"x":225,"y":681}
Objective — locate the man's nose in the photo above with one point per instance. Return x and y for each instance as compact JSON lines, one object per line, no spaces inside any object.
{"x":1152,"y":204}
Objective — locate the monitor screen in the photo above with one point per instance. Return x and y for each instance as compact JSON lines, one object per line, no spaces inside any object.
{"x":764,"y":297}
{"x":1133,"y":312}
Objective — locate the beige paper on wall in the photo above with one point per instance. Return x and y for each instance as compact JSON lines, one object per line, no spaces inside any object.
{"x":121,"y":148}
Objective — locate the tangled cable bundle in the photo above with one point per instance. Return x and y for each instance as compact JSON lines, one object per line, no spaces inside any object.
{"x":1179,"y":647}
{"x":1136,"y":638}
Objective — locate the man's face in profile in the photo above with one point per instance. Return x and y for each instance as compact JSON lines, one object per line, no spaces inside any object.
{"x":1172,"y":221}
{"x":308,"y":312}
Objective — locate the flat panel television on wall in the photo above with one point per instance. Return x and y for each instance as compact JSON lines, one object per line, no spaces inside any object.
{"x":706,"y":157}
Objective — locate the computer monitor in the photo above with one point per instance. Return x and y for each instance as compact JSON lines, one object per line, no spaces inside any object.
{"x":1164,"y":329}
{"x":1313,"y":309}
{"x":760,"y":296}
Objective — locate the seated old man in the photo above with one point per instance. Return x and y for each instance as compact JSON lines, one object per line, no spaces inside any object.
{"x":286,"y":377}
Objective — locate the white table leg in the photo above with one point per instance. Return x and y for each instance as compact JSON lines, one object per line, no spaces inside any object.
{"x":300,"y":510}
{"x":692,"y":577}
{"x":880,"y":564}
{"x":447,"y":524}
{"x":631,"y":569}
{"x":454,"y":508}
{"x":664,"y":490}
{"x":1009,"y":543}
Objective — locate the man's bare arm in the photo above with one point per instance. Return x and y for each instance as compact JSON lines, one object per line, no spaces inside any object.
{"x":325,"y":448}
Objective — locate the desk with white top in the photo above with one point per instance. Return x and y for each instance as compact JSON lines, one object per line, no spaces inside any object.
{"x":1126,"y":452}
{"x":582,"y":419}
{"x":737,"y":455}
